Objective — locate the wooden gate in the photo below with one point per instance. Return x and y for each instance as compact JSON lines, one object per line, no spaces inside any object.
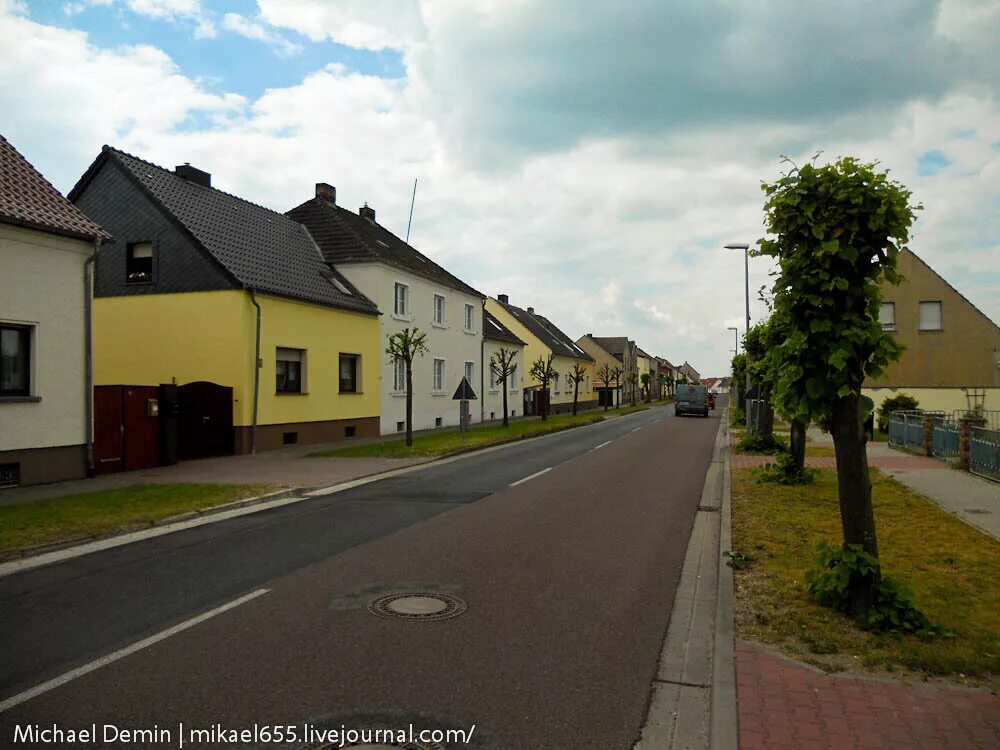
{"x":205,"y":420}
{"x":126,"y":428}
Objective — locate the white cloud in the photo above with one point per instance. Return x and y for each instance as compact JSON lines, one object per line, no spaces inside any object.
{"x":251,"y":29}
{"x":164,"y":10}
{"x":365,"y":24}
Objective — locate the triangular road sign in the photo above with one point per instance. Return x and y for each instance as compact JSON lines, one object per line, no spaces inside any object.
{"x":464,"y":392}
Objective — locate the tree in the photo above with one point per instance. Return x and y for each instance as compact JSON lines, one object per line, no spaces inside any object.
{"x":576,"y":376}
{"x":758,"y":342}
{"x":633,"y":381}
{"x":662,"y":380}
{"x":835,"y":232}
{"x":405,"y":345}
{"x":544,"y":373}
{"x":503,"y":366}
{"x":605,"y":373}
{"x":616,"y":373}
{"x":645,"y":377}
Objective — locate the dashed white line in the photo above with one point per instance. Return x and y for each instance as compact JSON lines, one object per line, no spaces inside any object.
{"x":530,"y":476}
{"x":598,"y":447}
{"x":45,"y":687}
{"x":637,"y":428}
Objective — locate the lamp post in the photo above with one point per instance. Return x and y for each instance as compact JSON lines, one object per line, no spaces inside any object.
{"x":746,"y":269}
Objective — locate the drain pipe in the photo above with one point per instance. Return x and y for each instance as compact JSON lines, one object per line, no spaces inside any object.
{"x":88,"y":356}
{"x":482,"y":365}
{"x":256,"y":376}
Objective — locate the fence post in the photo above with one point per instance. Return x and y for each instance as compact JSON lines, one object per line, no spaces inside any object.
{"x":964,"y":444}
{"x":929,"y":436}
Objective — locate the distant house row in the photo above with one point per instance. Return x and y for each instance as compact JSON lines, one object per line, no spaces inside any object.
{"x":220,"y":326}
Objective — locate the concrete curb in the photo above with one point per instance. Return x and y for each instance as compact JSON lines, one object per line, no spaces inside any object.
{"x":60,"y":552}
{"x":693,"y":695}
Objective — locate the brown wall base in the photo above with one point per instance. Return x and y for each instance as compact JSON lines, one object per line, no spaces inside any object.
{"x":40,"y":465}
{"x":568,"y":408}
{"x":272,"y":436}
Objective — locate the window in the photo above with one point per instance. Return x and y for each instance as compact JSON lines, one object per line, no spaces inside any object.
{"x":349,"y":373}
{"x":438,"y":421}
{"x":569,"y":383}
{"x":588,"y":382}
{"x":438,"y":374}
{"x":930,"y":316}
{"x":289,"y":438}
{"x":887,"y":316}
{"x":399,"y":374}
{"x":470,"y":372}
{"x":139,"y":263}
{"x":401,"y":303}
{"x":555,"y":384}
{"x":350,"y":431}
{"x":514,"y":380}
{"x":400,"y":426}
{"x":438,"y":310}
{"x":470,"y":318}
{"x":493,"y":379}
{"x":289,"y":370}
{"x":15,"y":360}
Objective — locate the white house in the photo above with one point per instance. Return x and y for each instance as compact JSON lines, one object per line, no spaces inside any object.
{"x":497,"y":336}
{"x":46,"y":250}
{"x":411,"y":290}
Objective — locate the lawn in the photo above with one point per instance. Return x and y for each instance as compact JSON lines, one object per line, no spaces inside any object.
{"x":951,"y":567}
{"x":61,"y":519}
{"x":449,"y":441}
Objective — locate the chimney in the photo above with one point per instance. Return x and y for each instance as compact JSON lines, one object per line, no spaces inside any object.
{"x":531,"y":311}
{"x":326,"y":192}
{"x":503,"y":298}
{"x":367,"y":212}
{"x":193,"y":174}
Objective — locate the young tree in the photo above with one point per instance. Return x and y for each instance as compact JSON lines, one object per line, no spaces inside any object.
{"x":645,"y":377}
{"x":405,"y":345}
{"x":503,"y":366}
{"x":835,"y":231}
{"x":662,"y":380}
{"x":576,"y":376}
{"x":605,"y":373}
{"x":544,"y":373}
{"x":633,"y":381}
{"x":617,"y":375}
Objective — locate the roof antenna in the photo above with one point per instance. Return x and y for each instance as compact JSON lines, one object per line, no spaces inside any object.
{"x":412,"y":201}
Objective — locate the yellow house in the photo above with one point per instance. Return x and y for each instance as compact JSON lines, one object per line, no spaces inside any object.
{"x":217,"y":323}
{"x":541,"y":338}
{"x":952,"y":357}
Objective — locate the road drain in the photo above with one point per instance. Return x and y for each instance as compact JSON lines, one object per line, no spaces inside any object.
{"x":417,"y":606}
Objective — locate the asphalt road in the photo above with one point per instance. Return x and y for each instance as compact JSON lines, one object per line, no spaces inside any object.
{"x":568,"y":578}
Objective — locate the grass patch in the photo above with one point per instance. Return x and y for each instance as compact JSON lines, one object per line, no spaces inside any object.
{"x":62,"y":519}
{"x":820,"y":451}
{"x":880,"y":437}
{"x":950,"y":567}
{"x":449,"y":441}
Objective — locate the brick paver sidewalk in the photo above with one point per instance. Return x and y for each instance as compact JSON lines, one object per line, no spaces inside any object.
{"x":784,"y":704}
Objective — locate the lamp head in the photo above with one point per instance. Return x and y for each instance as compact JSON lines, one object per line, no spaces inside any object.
{"x":737,"y":246}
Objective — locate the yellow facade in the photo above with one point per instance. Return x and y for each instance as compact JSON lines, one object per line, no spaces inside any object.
{"x":182,"y":338}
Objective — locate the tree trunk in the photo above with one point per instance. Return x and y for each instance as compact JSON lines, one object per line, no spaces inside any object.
{"x":798,"y":445}
{"x":503,"y":384}
{"x":576,"y":394}
{"x":854,"y":489}
{"x":409,"y":404}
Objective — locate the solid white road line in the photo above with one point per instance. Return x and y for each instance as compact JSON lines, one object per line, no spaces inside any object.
{"x":606,"y":442}
{"x":45,"y":687}
{"x":530,"y":476}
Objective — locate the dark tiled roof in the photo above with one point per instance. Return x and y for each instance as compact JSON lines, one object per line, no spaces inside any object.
{"x":29,"y":200}
{"x":547,"y":333}
{"x":346,"y":237}
{"x":641,"y":353}
{"x":262,"y":249}
{"x":612,"y":344}
{"x":494,"y":330}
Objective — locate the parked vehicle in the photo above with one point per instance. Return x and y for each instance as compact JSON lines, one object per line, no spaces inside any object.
{"x":711,"y":400}
{"x":691,"y":399}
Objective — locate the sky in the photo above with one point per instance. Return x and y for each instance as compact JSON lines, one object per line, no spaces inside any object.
{"x":588,"y":159}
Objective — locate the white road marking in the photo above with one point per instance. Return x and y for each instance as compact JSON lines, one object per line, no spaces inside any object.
{"x":45,"y":687}
{"x":606,"y":442}
{"x":637,"y":428}
{"x":530,"y":476}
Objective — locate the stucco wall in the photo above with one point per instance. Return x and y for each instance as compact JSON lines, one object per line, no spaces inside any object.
{"x":935,"y":399}
{"x":41,"y":284}
{"x":493,"y":398}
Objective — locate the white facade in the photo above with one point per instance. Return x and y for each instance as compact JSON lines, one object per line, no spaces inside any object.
{"x":41,"y":290}
{"x":454,"y":349}
{"x":492,"y":397}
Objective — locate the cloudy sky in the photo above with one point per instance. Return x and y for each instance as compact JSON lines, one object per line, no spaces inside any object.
{"x":589,"y":159}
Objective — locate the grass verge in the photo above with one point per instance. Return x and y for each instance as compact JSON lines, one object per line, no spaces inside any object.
{"x":950,"y":567}
{"x":450,"y":441}
{"x":62,"y":519}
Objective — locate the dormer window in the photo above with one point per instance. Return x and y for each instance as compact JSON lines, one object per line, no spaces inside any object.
{"x":139,"y":263}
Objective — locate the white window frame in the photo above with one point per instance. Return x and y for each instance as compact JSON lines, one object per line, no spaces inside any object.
{"x":890,"y":324}
{"x":399,"y":375}
{"x":437,"y":384}
{"x":405,"y":314}
{"x":443,"y":321}
{"x":472,"y":379}
{"x":515,"y":379}
{"x":494,"y":382}
{"x":556,"y":384}
{"x":293,"y":354}
{"x":470,"y":317}
{"x":940,"y":315}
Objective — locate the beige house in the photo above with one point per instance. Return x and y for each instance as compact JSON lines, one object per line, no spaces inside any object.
{"x":952,"y":356}
{"x":497,"y":336}
{"x":542,"y":338}
{"x":47,"y":248}
{"x":616,"y":352}
{"x":687,"y":374}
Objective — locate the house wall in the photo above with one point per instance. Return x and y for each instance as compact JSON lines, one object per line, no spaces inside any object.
{"x":965,"y":353}
{"x":602,"y":357}
{"x":561,"y":400}
{"x":209,"y":336}
{"x":935,"y":399}
{"x":493,"y":398}
{"x":533,"y":348}
{"x":452,"y":343}
{"x":42,"y":285}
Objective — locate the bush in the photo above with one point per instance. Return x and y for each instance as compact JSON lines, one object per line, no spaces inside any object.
{"x":784,"y":471}
{"x":758,"y":443}
{"x":893,"y":609}
{"x":737,"y":417}
{"x":900,"y":402}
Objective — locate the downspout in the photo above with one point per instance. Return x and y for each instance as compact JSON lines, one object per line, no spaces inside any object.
{"x":482,"y":365}
{"x":88,"y":356}
{"x":256,"y":376}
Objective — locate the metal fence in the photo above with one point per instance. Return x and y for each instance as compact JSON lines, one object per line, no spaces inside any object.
{"x":984,"y":456}
{"x":906,"y":429}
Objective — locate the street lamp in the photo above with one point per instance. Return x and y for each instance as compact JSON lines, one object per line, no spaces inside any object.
{"x":746,"y":269}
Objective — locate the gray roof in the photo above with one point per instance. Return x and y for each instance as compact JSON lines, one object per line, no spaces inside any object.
{"x":546,"y":332}
{"x":262,"y":249}
{"x":27,"y":199}
{"x":494,"y":330}
{"x":346,"y":237}
{"x":612,"y":344}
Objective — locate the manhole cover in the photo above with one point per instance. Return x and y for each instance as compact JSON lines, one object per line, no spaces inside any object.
{"x":417,"y":606}
{"x":978,"y":511}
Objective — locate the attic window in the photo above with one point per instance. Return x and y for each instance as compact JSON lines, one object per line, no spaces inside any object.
{"x":139,"y":263}
{"x":340,"y":285}
{"x":383,"y":244}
